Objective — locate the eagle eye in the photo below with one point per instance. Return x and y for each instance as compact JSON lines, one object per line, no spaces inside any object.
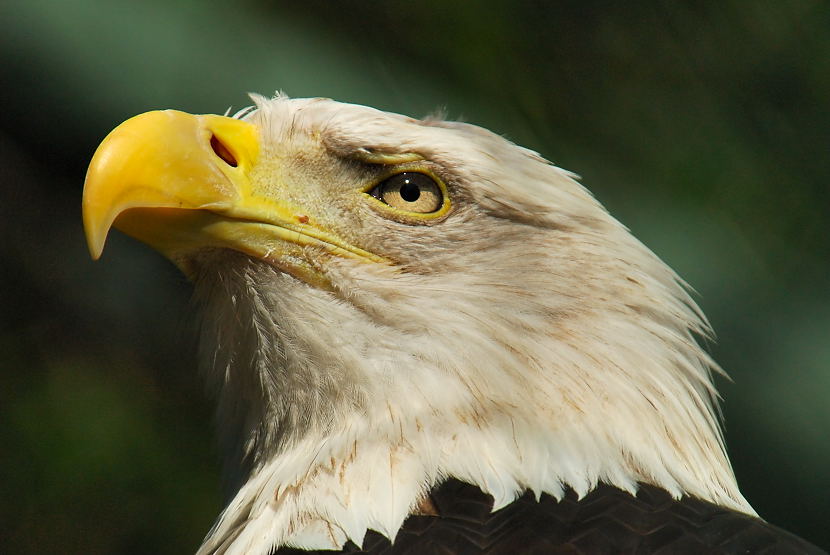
{"x":410,"y":191}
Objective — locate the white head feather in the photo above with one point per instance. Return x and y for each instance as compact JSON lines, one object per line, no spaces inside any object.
{"x":527,"y":341}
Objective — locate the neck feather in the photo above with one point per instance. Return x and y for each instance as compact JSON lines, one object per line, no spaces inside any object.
{"x":323,"y":452}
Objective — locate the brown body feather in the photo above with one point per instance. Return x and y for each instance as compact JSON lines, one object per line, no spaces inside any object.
{"x":606,"y":521}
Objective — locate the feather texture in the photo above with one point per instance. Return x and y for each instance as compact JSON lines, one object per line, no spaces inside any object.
{"x":527,"y":341}
{"x":604,"y":522}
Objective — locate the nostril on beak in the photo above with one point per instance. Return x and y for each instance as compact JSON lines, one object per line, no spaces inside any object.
{"x":222,"y":151}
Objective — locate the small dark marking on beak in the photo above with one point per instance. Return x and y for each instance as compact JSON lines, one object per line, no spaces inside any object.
{"x":302,"y":218}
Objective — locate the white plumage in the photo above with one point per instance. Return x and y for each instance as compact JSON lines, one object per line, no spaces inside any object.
{"x":527,"y":341}
{"x":523,"y":340}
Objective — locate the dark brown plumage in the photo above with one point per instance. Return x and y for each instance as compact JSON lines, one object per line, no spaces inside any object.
{"x":607,"y":520}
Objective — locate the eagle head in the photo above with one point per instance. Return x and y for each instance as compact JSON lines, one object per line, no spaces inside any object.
{"x":388,"y":302}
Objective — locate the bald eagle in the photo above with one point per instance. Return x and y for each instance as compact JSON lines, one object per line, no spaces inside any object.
{"x":423,"y":338}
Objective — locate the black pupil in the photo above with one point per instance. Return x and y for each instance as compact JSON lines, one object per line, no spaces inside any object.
{"x":409,"y":191}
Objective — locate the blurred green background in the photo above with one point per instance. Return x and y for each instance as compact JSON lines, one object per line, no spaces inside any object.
{"x":703,"y":126}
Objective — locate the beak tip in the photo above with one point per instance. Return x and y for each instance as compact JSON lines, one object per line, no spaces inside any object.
{"x":96,"y":235}
{"x":95,"y":246}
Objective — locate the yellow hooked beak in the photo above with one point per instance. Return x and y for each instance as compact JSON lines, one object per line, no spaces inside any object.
{"x":165,"y":160}
{"x":181,"y":182}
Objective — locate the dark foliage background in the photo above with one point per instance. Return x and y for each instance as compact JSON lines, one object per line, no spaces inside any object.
{"x":702,"y":125}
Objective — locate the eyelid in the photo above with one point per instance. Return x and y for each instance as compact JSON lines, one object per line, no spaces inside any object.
{"x":385,"y":171}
